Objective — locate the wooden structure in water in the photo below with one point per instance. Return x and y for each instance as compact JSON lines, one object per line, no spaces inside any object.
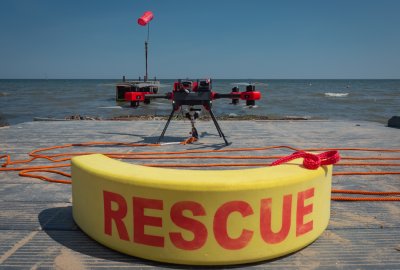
{"x":135,"y":86}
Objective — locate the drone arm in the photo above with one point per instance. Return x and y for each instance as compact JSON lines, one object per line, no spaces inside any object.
{"x":253,"y":95}
{"x":155,"y":96}
{"x":218,"y":95}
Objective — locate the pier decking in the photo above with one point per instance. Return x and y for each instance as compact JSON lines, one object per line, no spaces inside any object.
{"x":37,"y":230}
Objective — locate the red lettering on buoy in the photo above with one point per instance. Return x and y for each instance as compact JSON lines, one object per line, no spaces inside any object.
{"x":267,"y":234}
{"x":303,"y":210}
{"x":220,"y":225}
{"x":140,"y":220}
{"x":198,"y":229}
{"x":116,"y":215}
{"x":182,"y":214}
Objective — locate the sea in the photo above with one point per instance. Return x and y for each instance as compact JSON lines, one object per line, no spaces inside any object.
{"x":355,"y":100}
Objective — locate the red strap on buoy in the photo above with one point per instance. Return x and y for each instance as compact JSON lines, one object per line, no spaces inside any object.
{"x":311,"y":161}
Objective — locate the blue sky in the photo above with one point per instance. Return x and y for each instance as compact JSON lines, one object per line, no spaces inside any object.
{"x":279,"y":39}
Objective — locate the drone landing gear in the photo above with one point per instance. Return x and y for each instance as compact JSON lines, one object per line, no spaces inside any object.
{"x":221,"y":134}
{"x":192,"y":115}
{"x":166,"y":126}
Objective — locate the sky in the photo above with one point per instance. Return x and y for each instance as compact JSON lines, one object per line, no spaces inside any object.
{"x":223,"y":39}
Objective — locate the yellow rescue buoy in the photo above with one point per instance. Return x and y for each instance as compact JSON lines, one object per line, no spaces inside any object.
{"x":200,"y":217}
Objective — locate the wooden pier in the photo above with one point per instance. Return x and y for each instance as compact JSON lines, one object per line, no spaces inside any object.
{"x":37,"y":230}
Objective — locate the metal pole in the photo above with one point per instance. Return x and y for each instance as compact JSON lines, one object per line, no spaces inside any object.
{"x":146,"y":51}
{"x":145,"y":46}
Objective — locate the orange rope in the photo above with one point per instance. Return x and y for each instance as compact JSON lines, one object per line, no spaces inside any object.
{"x":31,"y":171}
{"x":365,"y":192}
{"x":26,"y":173}
{"x":363,"y":173}
{"x":370,"y":199}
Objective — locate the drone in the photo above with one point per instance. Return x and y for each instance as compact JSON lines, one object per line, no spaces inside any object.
{"x":194,"y":96}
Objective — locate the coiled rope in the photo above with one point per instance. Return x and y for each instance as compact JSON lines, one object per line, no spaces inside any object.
{"x":311,"y":161}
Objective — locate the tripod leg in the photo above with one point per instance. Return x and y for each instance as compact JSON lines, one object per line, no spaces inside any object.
{"x":166,"y":126}
{"x":221,"y":134}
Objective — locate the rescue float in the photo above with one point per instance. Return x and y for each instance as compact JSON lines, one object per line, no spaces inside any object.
{"x":200,"y":217}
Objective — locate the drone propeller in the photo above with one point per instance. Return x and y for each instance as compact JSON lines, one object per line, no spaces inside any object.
{"x":152,"y":85}
{"x":260,"y":84}
{"x":242,"y":83}
{"x":165,"y":85}
{"x":161,"y":104}
{"x":250,"y":106}
{"x":248,"y":83}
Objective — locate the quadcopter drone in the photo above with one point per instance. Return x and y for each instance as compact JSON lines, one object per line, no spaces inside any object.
{"x":194,"y":96}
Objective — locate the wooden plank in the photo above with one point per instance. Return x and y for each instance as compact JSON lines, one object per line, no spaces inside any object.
{"x":343,"y":249}
{"x":37,"y":229}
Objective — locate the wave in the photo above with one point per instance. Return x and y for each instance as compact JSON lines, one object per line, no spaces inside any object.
{"x":329,"y":94}
{"x":296,"y":117}
{"x":106,"y":84}
{"x":110,"y":107}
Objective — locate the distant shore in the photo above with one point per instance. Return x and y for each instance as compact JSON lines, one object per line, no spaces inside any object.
{"x":207,"y":117}
{"x":164,"y":117}
{"x":179,"y":117}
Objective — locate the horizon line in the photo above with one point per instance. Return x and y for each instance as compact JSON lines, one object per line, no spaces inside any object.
{"x":132,"y":79}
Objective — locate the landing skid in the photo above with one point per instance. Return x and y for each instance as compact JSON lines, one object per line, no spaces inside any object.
{"x":194,"y":130}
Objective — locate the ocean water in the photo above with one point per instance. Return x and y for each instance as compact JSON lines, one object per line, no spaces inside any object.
{"x":370,"y":100}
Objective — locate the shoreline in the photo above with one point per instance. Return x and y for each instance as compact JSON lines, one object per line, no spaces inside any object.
{"x":177,"y":117}
{"x":207,"y":117}
{"x":162,"y":118}
{"x":180,"y":117}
